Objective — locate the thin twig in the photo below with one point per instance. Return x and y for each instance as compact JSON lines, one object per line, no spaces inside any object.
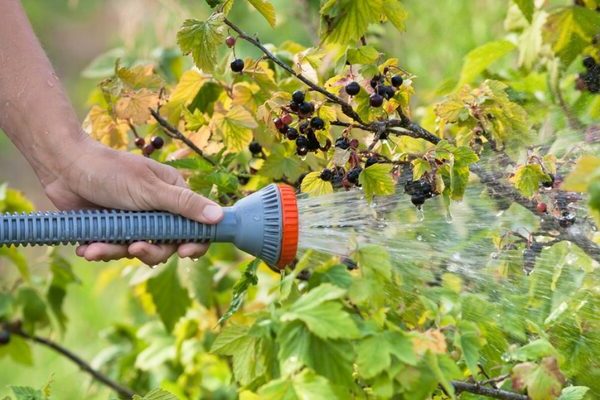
{"x":175,"y":133}
{"x":118,"y":388}
{"x":477,"y":388}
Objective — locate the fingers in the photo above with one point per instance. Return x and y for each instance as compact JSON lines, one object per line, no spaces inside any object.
{"x":102,"y":252}
{"x":183,"y":201}
{"x":152,"y":254}
{"x":192,"y":250}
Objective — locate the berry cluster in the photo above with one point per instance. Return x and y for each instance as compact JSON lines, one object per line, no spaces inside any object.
{"x":338,"y":176}
{"x":419,"y":191}
{"x":384,"y":87}
{"x":155,"y":143}
{"x":304,"y":133}
{"x":236,"y":65}
{"x":589,"y":80}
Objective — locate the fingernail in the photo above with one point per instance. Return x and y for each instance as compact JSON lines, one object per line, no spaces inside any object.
{"x":212,"y":213}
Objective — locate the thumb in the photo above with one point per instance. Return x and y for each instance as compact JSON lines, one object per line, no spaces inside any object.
{"x":183,"y":201}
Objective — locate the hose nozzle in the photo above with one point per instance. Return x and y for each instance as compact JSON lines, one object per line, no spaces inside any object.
{"x":264,"y":224}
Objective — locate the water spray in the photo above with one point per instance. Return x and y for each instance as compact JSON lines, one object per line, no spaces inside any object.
{"x":264,"y":224}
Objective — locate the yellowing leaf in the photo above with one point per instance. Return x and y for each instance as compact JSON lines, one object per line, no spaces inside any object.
{"x":528,"y":178}
{"x":135,"y":106}
{"x":347,"y":20}
{"x":266,"y":9}
{"x":570,"y":29}
{"x":102,"y":127}
{"x":139,"y":77}
{"x":420,"y":166}
{"x":432,"y":340}
{"x":235,"y":127}
{"x":201,"y":38}
{"x":395,"y":13}
{"x":376,"y":180}
{"x":190,"y":83}
{"x":543,"y":382}
{"x":586,"y":170}
{"x":315,"y":186}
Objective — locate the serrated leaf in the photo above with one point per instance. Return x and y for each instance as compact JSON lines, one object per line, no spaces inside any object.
{"x":527,"y":7}
{"x":240,"y":289}
{"x":27,"y":393}
{"x":201,"y":38}
{"x":304,"y":386}
{"x":347,"y":20}
{"x":186,"y":90}
{"x":328,"y":320}
{"x":62,"y":276}
{"x":372,"y":356}
{"x":528,"y":178}
{"x":102,"y":127}
{"x":481,"y":58}
{"x":363,"y":55}
{"x":168,"y":295}
{"x":535,"y":350}
{"x":282,"y":162}
{"x":543,"y":381}
{"x":140,"y":77}
{"x":266,"y":9}
{"x":375,"y":258}
{"x":196,"y":164}
{"x":156,"y":394}
{"x":395,"y":13}
{"x":235,"y":127}
{"x":376,"y":180}
{"x":135,"y":106}
{"x":468,"y":339}
{"x":573,"y":393}
{"x":570,"y":29}
{"x":420,"y":167}
{"x":314,"y":185}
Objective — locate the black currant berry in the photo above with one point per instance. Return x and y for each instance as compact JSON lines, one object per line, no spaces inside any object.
{"x":317,"y":123}
{"x":255,"y":148}
{"x":397,"y":80}
{"x":302,"y":151}
{"x":237,"y":65}
{"x":342,"y":143}
{"x":4,"y":337}
{"x":376,"y":100}
{"x":589,"y":62}
{"x":389,"y":92}
{"x":292,"y":133}
{"x":326,"y":175}
{"x":418,"y":199}
{"x":304,"y":126}
{"x":566,"y":220}
{"x":139,"y":142}
{"x":351,"y":265}
{"x":230,"y":41}
{"x":298,"y":97}
{"x":157,"y":142}
{"x":313,"y":143}
{"x":375,"y":81}
{"x":283,"y":129}
{"x":307,"y":108}
{"x":287,"y":119}
{"x":302,"y":142}
{"x":278,"y":123}
{"x":294,"y":106}
{"x":353,"y":175}
{"x":353,"y":88}
{"x":148,"y":149}
{"x":370,"y":161}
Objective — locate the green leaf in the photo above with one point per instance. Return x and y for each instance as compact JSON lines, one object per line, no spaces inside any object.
{"x":193,"y":163}
{"x":535,"y":351}
{"x":481,"y":58}
{"x":527,"y":7}
{"x":282,"y":162}
{"x":303,"y":386}
{"x":375,"y":258}
{"x":248,"y":279}
{"x":420,"y":167}
{"x":468,"y":339}
{"x":18,"y":350}
{"x":266,"y":9}
{"x":6,"y":305}
{"x":586,"y":170}
{"x":377,"y":180}
{"x":27,"y":393}
{"x":323,"y":317}
{"x":372,"y":356}
{"x":363,"y":55}
{"x":201,"y":38}
{"x":34,"y":307}
{"x":570,"y":30}
{"x":314,"y":185}
{"x":573,"y":393}
{"x":62,"y":276}
{"x":395,"y":13}
{"x":543,"y":381}
{"x":236,"y":128}
{"x":168,"y":295}
{"x":345,"y":21}
{"x":528,"y":178}
{"x":156,"y":394}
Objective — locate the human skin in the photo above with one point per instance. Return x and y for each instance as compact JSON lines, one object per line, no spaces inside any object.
{"x":76,"y":171}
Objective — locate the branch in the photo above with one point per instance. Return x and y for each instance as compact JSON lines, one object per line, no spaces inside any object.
{"x":476,"y":388}
{"x":121,"y":390}
{"x":346,"y":107}
{"x":175,"y":133}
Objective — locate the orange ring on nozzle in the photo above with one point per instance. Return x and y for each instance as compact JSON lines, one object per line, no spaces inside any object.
{"x":289,"y":225}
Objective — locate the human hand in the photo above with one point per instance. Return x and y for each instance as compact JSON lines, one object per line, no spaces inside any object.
{"x":99,"y":177}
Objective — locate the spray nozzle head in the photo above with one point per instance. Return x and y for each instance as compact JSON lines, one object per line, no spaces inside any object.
{"x":264,"y":224}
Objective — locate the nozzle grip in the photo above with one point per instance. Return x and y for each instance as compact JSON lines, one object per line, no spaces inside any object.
{"x":120,"y":227}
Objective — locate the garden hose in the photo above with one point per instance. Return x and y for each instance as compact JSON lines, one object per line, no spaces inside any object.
{"x":264,"y":224}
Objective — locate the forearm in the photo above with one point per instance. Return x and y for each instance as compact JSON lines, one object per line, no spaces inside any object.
{"x":35,"y":111}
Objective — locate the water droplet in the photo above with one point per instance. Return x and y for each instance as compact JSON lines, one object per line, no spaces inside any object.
{"x":449,"y":218}
{"x":494,"y":255}
{"x":419,"y":238}
{"x":420,"y":214}
{"x":152,"y":266}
